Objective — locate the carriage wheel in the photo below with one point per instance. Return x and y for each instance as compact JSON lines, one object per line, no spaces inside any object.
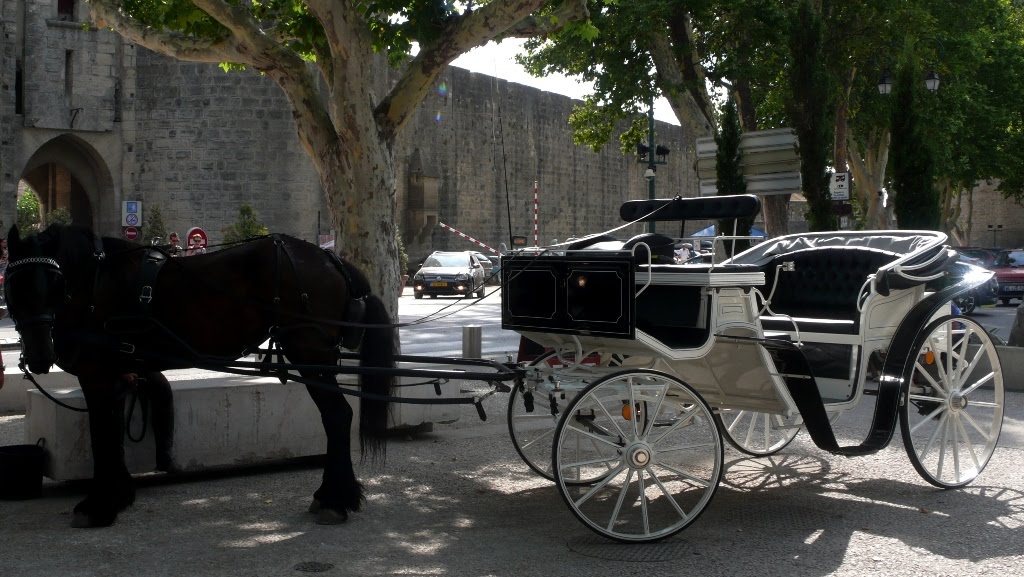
{"x":532,"y":418}
{"x":954,"y":409}
{"x":757,"y":434}
{"x":653,"y":442}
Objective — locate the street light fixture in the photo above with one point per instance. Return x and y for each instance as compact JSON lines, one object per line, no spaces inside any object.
{"x":885,"y":84}
{"x":652,"y":155}
{"x":931,"y":82}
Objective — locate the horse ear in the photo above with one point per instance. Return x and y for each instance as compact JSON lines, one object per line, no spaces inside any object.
{"x":13,"y":236}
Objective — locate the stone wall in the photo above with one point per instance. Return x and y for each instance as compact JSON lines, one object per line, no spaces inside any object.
{"x":991,"y":208}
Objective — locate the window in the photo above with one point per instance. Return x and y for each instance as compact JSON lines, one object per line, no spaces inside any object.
{"x":69,"y":74}
{"x":66,"y":9}
{"x":19,"y":89}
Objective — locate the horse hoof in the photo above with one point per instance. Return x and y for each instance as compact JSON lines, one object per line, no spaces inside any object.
{"x":314,"y":506}
{"x":85,"y":521}
{"x":331,"y":517}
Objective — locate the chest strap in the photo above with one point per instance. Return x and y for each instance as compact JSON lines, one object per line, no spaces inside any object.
{"x":152,"y":261}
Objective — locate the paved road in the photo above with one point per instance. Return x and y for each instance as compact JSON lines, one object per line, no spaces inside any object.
{"x":458,"y":502}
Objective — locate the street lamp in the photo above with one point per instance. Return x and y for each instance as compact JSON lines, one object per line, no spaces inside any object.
{"x":652,"y":155}
{"x":995,"y":228}
{"x":931,"y":82}
{"x":885,"y":84}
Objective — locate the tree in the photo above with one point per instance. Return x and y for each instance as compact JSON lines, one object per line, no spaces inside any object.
{"x":729,"y":173}
{"x":810,"y":108}
{"x":28,"y":217}
{"x":155,"y":228}
{"x":916,"y":202}
{"x":247,"y":226}
{"x":60,"y":215}
{"x":347,"y":129}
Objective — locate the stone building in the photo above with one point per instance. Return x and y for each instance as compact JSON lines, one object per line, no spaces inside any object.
{"x":90,"y":120}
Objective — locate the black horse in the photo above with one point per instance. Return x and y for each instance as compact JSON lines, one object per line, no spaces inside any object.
{"x":103,"y":308}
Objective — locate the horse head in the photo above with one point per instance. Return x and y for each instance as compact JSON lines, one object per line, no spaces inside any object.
{"x":36,"y":291}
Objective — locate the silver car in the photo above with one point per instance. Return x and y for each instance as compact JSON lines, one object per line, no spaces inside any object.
{"x":449,"y":273}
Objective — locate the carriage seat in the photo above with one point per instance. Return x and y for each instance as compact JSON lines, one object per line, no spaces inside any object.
{"x":661,"y":246}
{"x":821,"y":293}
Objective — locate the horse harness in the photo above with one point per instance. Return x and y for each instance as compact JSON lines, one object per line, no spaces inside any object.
{"x":352,"y":331}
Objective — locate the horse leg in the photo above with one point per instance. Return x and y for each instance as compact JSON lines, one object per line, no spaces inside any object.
{"x":161,"y":414}
{"x":111,"y":489}
{"x":339,"y":490}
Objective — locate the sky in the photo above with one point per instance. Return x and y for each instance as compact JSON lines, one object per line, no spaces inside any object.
{"x":498,"y":59}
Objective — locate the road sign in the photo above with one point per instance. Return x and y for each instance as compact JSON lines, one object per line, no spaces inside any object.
{"x":839,"y":186}
{"x":192,"y":232}
{"x":131,"y":233}
{"x":131,"y":213}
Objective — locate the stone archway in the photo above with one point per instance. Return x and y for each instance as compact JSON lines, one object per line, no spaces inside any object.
{"x":67,"y":172}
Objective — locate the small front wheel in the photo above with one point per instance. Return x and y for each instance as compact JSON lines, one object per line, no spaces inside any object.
{"x":757,"y":434}
{"x":535,"y":408}
{"x":652,"y":442}
{"x":953,"y":412}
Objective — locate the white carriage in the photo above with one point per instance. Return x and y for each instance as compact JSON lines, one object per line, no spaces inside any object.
{"x":650,"y":365}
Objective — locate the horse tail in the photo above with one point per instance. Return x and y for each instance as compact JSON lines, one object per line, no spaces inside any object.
{"x":377,"y":350}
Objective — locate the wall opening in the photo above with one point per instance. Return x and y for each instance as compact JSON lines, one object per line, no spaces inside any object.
{"x":66,"y":9}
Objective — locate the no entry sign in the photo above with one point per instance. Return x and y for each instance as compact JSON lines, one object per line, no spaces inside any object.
{"x":131,"y":233}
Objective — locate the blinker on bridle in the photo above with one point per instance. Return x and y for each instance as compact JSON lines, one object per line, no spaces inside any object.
{"x":16,"y":266}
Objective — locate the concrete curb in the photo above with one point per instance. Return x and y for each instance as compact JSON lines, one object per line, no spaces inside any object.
{"x":1012,"y":361}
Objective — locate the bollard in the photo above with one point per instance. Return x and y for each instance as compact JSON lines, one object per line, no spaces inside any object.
{"x":471,"y":342}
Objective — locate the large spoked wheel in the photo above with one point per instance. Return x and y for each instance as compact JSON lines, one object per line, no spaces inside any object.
{"x":653,"y":443}
{"x":954,"y":411}
{"x":535,"y":408}
{"x":757,"y":434}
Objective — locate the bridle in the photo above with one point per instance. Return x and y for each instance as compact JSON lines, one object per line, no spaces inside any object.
{"x":32,"y":263}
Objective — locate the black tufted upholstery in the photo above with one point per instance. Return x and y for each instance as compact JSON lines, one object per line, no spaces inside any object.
{"x":825,"y":285}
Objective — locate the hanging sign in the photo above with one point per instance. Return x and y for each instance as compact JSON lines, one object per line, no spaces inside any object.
{"x":839,"y":186}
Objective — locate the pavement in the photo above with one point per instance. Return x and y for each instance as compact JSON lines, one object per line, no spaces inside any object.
{"x":458,"y":501}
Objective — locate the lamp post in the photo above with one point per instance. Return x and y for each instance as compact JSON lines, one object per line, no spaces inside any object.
{"x":652,"y":155}
{"x":995,"y":228}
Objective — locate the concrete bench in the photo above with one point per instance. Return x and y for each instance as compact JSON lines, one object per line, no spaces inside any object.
{"x":219,"y":421}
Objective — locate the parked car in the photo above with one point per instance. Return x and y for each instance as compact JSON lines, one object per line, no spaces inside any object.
{"x":496,"y":270}
{"x":489,"y":277}
{"x":983,"y":257}
{"x":1009,"y":269}
{"x":449,"y":273}
{"x":983,"y":294}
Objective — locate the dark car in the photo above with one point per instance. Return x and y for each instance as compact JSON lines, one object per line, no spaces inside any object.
{"x":983,"y":294}
{"x":495,"y":268}
{"x":1009,"y":269}
{"x":449,"y":273}
{"x":489,"y":277}
{"x":983,"y":257}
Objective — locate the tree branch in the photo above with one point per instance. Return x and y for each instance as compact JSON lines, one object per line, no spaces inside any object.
{"x":474,"y":28}
{"x":533,"y":25}
{"x":106,"y":14}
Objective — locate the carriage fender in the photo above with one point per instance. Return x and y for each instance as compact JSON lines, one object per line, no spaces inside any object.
{"x":899,"y":360}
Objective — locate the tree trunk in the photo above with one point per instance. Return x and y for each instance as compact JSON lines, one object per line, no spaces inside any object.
{"x":361,"y":198}
{"x":774,"y":207}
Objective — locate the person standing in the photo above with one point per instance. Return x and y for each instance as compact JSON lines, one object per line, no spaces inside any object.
{"x":175,"y":246}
